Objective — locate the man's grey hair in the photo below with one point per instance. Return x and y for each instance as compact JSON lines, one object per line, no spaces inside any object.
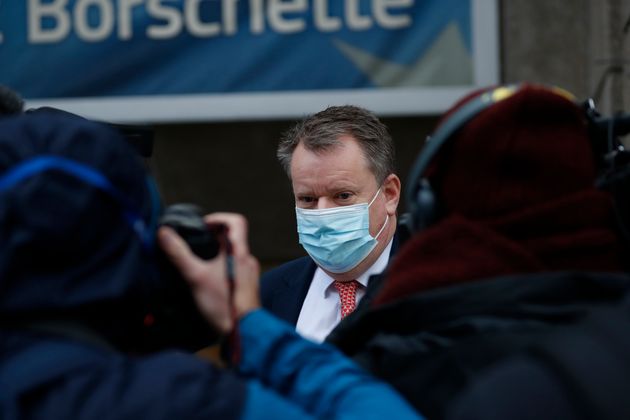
{"x":320,"y":132}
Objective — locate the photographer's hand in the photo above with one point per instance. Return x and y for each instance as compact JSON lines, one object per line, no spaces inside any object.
{"x":208,"y":279}
{"x":246,"y":268}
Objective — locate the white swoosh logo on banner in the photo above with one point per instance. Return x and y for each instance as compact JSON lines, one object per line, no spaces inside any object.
{"x":447,"y":62}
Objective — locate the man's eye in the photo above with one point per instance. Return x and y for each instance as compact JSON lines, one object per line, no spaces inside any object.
{"x":306,"y":200}
{"x":344,"y":196}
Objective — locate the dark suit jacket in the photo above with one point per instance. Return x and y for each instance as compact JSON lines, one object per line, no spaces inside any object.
{"x":283,"y":289}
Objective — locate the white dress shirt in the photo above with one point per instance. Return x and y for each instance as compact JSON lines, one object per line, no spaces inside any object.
{"x":321,"y":310}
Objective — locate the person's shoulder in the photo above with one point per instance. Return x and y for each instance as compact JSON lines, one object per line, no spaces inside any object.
{"x":283,"y":289}
{"x":291,"y":275}
{"x":120,"y":385}
{"x":167,"y":393}
{"x":289,"y":268}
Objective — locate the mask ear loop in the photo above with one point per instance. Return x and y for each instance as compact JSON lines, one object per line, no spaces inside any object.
{"x":383,"y":227}
{"x":89,"y":175}
{"x":386,"y":218}
{"x":374,"y":198}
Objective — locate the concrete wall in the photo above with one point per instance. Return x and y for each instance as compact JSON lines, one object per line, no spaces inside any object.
{"x":576,"y":44}
{"x":581,"y":45}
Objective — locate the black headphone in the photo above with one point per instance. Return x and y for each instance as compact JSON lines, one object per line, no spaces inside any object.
{"x":422,"y":202}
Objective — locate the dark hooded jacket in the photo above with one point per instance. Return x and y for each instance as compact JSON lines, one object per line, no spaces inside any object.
{"x":75,"y":274}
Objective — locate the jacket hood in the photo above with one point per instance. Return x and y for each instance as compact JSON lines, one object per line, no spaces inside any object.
{"x":73,"y":197}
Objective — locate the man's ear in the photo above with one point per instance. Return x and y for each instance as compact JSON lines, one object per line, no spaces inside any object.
{"x":391,"y":191}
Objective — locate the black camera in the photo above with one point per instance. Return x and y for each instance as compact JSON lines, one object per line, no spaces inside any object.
{"x":187,"y":220}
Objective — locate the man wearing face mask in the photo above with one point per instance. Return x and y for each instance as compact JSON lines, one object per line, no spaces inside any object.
{"x":341,"y":165}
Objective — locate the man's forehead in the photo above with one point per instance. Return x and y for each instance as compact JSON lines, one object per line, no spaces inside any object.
{"x":332,"y":186}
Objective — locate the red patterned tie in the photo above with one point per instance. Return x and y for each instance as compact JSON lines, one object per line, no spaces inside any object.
{"x":347,"y":295}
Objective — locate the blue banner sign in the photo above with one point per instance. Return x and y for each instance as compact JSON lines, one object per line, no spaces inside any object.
{"x":187,"y":60}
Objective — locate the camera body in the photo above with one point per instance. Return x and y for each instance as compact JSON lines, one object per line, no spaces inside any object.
{"x":187,"y":220}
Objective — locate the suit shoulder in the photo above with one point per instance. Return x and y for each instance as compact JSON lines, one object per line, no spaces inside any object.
{"x":282,"y":289}
{"x":290,"y":268}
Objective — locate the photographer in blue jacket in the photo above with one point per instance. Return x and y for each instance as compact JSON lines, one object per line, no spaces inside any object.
{"x":81,"y":335}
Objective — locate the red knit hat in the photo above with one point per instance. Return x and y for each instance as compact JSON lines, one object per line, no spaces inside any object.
{"x":530,"y":146}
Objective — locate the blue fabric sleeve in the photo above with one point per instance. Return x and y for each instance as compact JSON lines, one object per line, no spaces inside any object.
{"x":264,"y":404}
{"x":315,"y":377}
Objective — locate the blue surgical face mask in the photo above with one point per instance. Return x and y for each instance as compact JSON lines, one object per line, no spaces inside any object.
{"x":338,"y":238}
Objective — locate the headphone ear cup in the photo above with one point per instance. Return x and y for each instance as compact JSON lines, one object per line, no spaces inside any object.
{"x":425,"y":209}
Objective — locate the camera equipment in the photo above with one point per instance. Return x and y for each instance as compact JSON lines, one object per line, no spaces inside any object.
{"x":606,"y":136}
{"x":174,"y":320}
{"x":187,"y":220}
{"x":139,"y":137}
